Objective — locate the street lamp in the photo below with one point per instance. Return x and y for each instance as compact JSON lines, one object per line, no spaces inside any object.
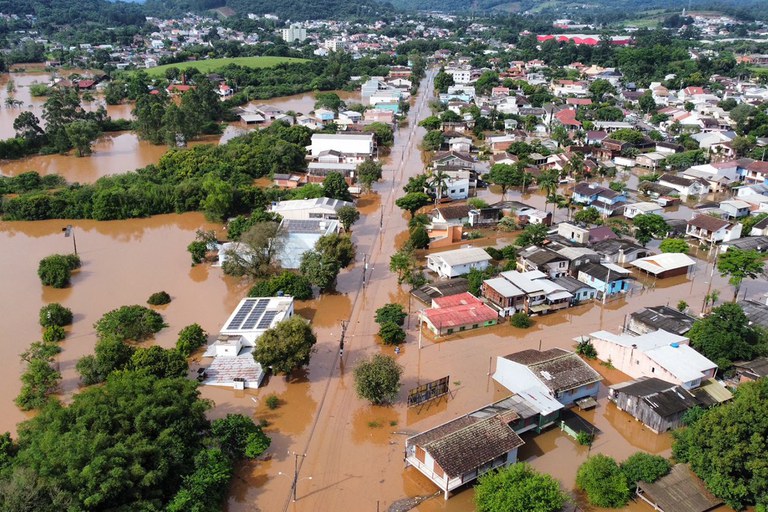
{"x":69,"y":230}
{"x":295,"y":472}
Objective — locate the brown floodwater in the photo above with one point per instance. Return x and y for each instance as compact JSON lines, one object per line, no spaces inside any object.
{"x":304,"y":103}
{"x":353,"y":452}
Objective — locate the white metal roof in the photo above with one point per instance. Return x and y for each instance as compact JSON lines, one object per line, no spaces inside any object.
{"x":681,"y":361}
{"x":644,"y":342}
{"x":659,"y":263}
{"x":504,"y":287}
{"x":462,"y":256}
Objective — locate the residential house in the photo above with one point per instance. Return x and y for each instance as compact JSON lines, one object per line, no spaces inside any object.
{"x":581,"y":292}
{"x":719,"y":176}
{"x":749,"y":243}
{"x":459,"y":451}
{"x":573,"y":233}
{"x":620,"y":251}
{"x":664,"y":265}
{"x":606,"y":278}
{"x":735,"y":209}
{"x":600,"y":234}
{"x":556,"y":373}
{"x":507,"y":298}
{"x":459,"y":144}
{"x":658,"y":404}
{"x":489,"y":216}
{"x":355,"y":144}
{"x":653,"y":318}
{"x":643,"y":208}
{"x":457,"y":313}
{"x":760,"y":228}
{"x":681,"y":490}
{"x":536,"y":258}
{"x":301,"y":236}
{"x":301,"y":209}
{"x":453,"y":160}
{"x":754,"y":171}
{"x":757,"y":312}
{"x":457,"y":214}
{"x":658,"y":354}
{"x":567,"y":119}
{"x":750,"y":371}
{"x":605,"y":200}
{"x":577,"y":257}
{"x":458,"y":262}
{"x":232,"y":362}
{"x":431,"y":291}
{"x":684,"y":186}
{"x":650,"y":160}
{"x":711,"y":230}
{"x":542,"y":295}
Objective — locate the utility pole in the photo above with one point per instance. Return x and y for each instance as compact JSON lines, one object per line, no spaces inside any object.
{"x":69,"y":230}
{"x":365,"y":267}
{"x":296,"y":471}
{"x":344,"y":324}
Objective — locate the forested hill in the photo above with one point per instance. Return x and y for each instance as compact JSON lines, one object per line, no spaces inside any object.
{"x":67,"y":12}
{"x":601,"y":11}
{"x":285,"y":9}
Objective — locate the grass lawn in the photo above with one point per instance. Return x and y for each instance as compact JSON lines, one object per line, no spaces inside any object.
{"x":209,"y":65}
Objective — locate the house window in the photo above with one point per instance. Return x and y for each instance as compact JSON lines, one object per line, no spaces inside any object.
{"x":450,"y":331}
{"x":475,"y":326}
{"x":653,"y":370}
{"x":461,"y":190}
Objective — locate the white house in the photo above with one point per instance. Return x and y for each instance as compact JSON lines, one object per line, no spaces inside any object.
{"x":460,"y":76}
{"x":307,"y":209}
{"x":361,"y":144}
{"x":301,"y":236}
{"x":684,"y":186}
{"x":659,"y":354}
{"x":458,"y":262}
{"x":735,"y":208}
{"x":232,"y":352}
{"x":643,"y":208}
{"x":711,"y":230}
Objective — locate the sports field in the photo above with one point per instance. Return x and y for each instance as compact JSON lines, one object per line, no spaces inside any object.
{"x":209,"y":65}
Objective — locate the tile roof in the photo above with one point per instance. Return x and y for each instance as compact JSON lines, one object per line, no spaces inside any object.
{"x":454,"y":212}
{"x":557,"y":369}
{"x":457,"y":316}
{"x":461,"y":299}
{"x":473,"y":445}
{"x":602,"y":272}
{"x":708,"y":223}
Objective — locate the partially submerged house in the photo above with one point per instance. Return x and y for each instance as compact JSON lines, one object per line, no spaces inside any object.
{"x":658,"y":404}
{"x":458,"y":262}
{"x":301,"y":236}
{"x":659,"y":317}
{"x":556,"y":373}
{"x":232,"y":352}
{"x":666,"y":264}
{"x":300,"y":209}
{"x":542,"y":295}
{"x":711,"y":230}
{"x":748,"y":371}
{"x":457,"y":313}
{"x":679,"y":491}
{"x":606,"y":278}
{"x":463,"y":449}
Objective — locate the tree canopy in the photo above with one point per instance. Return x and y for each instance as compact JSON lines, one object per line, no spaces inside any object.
{"x":648,"y":226}
{"x":738,"y":265}
{"x":603,"y":481}
{"x":287,"y":346}
{"x":378,"y":379}
{"x":726,"y":447}
{"x":674,"y":245}
{"x":518,"y":488}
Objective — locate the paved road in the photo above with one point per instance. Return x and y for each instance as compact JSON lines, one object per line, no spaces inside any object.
{"x":333,"y":457}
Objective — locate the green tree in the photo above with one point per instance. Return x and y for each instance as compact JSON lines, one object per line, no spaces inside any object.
{"x":674,"y":245}
{"x":290,"y":283}
{"x":257,"y":252}
{"x":206,"y":487}
{"x":159,"y":298}
{"x":160,"y":362}
{"x":431,"y":123}
{"x":738,"y":265}
{"x":748,"y":223}
{"x":419,"y":237}
{"x":403,"y":263}
{"x":647,"y":103}
{"x":442,"y":81}
{"x":378,"y":379}
{"x":505,"y":176}
{"x":190,"y":339}
{"x":111,"y":354}
{"x":603,"y":482}
{"x":368,"y":173}
{"x":725,"y":447}
{"x":56,"y":270}
{"x":589,"y":215}
{"x":286,"y":347}
{"x":520,"y":320}
{"x":54,"y":333}
{"x":55,"y":314}
{"x":328,"y":101}
{"x":320,"y":269}
{"x":81,"y":135}
{"x":219,"y":196}
{"x":599,"y":88}
{"x":339,"y":248}
{"x":391,"y":333}
{"x":391,"y":312}
{"x":412,"y":201}
{"x":38,"y":382}
{"x":533,"y":234}
{"x":385,"y":136}
{"x":433,"y":141}
{"x":648,"y":226}
{"x":518,"y":488}
{"x":335,"y":187}
{"x":135,"y":323}
{"x":644,"y":467}
{"x":348,"y":215}
{"x":239,"y":437}
{"x":726,"y":335}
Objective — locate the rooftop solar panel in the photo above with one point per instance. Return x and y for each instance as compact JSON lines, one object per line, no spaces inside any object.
{"x":241,"y":314}
{"x":266,"y":320}
{"x":253,"y":318}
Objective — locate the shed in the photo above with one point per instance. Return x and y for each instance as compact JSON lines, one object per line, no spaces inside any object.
{"x":665,"y":265}
{"x":658,"y":404}
{"x":679,"y":491}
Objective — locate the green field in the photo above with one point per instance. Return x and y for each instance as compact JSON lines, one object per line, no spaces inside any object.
{"x":209,"y":65}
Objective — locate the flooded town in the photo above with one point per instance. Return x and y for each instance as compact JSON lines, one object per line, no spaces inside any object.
{"x":384,"y":259}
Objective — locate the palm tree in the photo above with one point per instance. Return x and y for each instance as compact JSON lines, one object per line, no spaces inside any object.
{"x":437,"y":181}
{"x":547,"y":183}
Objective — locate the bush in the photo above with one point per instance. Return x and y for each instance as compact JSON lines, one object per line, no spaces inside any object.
{"x":55,"y":314}
{"x":494,"y":253}
{"x":586,"y":349}
{"x":644,"y":467}
{"x":419,"y":237}
{"x":239,"y":436}
{"x":520,"y":320}
{"x":112,"y":354}
{"x":190,"y":339}
{"x":56,"y":270}
{"x":54,"y":333}
{"x":391,"y":333}
{"x":290,"y":283}
{"x":603,"y":482}
{"x":159,"y":362}
{"x":272,"y":402}
{"x":518,"y":488}
{"x":159,"y":298}
{"x":585,"y":438}
{"x":135,"y":323}
{"x":378,"y":379}
{"x":391,"y":313}
{"x":39,"y":381}
{"x":197,"y":249}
